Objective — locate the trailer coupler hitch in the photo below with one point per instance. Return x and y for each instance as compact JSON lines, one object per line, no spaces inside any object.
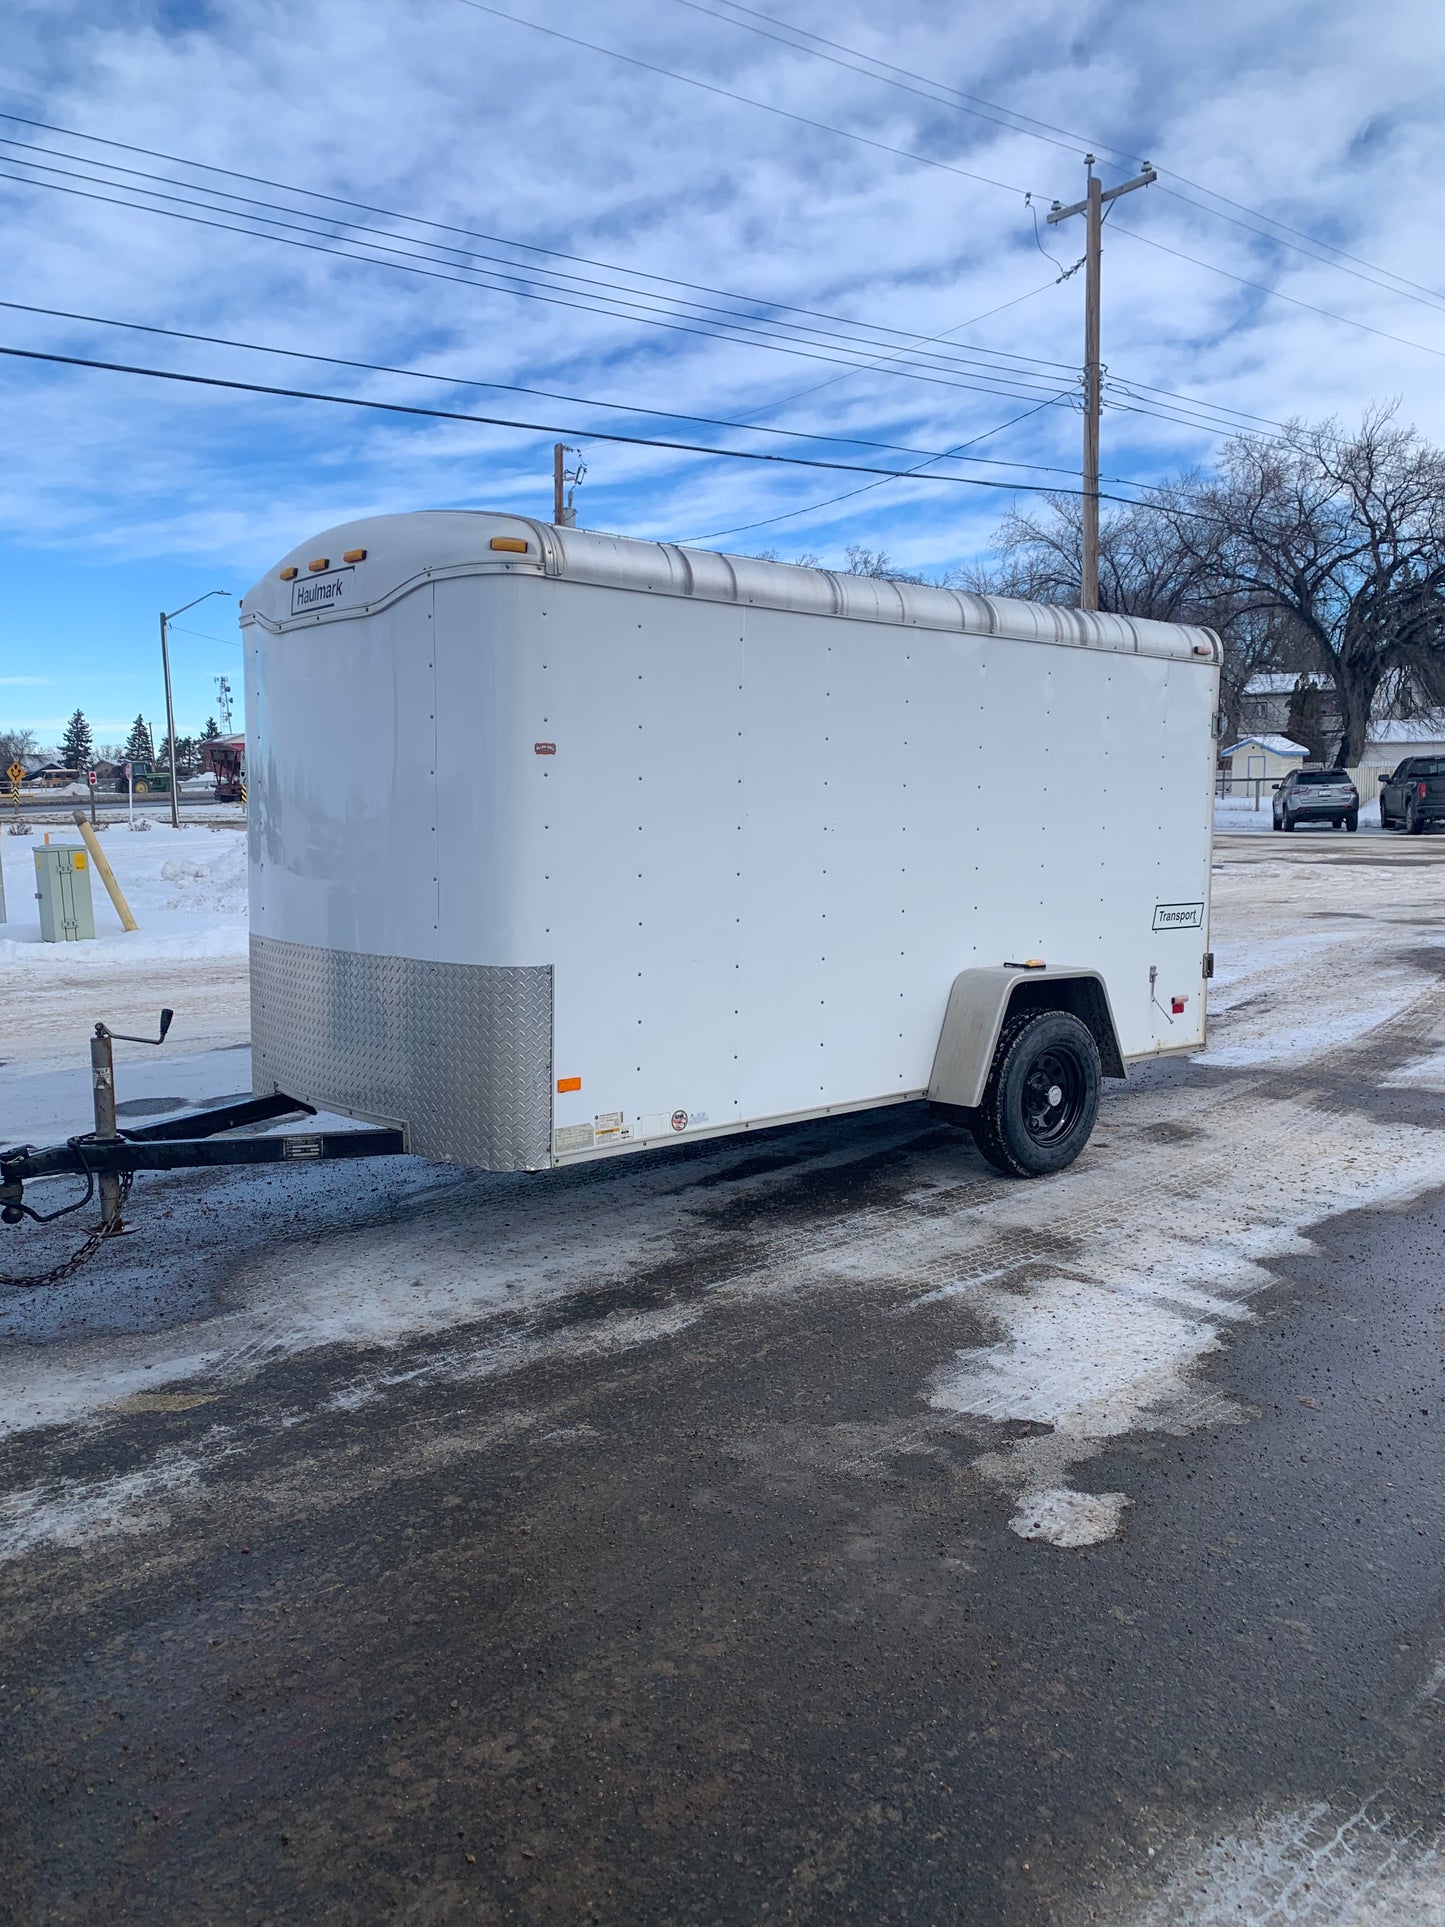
{"x":108,"y":1157}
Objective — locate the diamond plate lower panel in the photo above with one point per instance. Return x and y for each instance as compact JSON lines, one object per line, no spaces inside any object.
{"x":459,"y":1053}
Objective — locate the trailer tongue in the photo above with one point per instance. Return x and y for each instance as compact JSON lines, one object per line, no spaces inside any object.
{"x":107,"y":1158}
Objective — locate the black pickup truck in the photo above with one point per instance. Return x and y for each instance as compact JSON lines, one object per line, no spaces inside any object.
{"x":1414,"y":795}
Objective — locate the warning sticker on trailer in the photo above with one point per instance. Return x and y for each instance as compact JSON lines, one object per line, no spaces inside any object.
{"x":609,"y":1128}
{"x":1179,"y":916}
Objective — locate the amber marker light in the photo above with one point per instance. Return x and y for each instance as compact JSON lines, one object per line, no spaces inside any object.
{"x":569,"y":1084}
{"x":354,"y":555}
{"x":289,"y":575}
{"x":320,"y":562}
{"x":513,"y":544}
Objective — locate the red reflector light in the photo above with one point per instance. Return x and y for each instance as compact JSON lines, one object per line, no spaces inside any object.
{"x":1176,"y":1004}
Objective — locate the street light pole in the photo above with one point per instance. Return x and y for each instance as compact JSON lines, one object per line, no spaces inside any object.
{"x":170,"y":707}
{"x":170,"y":724}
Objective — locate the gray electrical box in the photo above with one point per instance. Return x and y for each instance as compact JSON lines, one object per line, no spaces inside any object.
{"x":62,"y":884}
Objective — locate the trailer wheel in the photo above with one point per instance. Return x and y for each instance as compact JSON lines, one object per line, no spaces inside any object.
{"x":1042,"y":1094}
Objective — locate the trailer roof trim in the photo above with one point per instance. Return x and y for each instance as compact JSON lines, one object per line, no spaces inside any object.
{"x":402,"y":550}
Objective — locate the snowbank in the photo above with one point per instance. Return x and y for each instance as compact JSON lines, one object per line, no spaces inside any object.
{"x":186,"y":887}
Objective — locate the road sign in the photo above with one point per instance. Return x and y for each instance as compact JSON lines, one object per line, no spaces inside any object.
{"x":126,"y":770}
{"x":16,"y":773}
{"x":90,"y":777}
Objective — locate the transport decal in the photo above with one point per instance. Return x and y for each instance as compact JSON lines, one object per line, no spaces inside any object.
{"x":544,"y":749}
{"x":1179,"y":916}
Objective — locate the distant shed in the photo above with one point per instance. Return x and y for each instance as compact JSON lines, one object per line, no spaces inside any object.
{"x":1261,"y":758}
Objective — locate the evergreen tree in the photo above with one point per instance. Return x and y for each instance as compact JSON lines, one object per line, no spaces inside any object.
{"x":210,"y":732}
{"x":75,"y":745}
{"x":139,"y":748}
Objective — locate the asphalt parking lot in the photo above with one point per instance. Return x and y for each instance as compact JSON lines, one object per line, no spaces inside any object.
{"x":811,"y":1528}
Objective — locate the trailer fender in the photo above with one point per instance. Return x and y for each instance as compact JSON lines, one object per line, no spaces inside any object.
{"x":979,"y":1002}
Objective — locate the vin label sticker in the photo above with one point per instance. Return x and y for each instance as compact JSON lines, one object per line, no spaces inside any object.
{"x":1179,"y":916}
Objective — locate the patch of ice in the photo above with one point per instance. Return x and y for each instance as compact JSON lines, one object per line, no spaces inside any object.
{"x":1067,"y":1518}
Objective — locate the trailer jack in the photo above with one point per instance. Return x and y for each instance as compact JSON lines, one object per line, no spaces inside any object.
{"x":107,"y":1158}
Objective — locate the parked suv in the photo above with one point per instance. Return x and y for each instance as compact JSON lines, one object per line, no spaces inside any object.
{"x":1414,"y":795}
{"x":1318,"y":796}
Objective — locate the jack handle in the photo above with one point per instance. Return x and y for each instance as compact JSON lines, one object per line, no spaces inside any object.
{"x":104,"y":1030}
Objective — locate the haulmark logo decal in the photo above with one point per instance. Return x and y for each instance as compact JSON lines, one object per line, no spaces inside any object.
{"x":312,"y":592}
{"x":1179,"y":916}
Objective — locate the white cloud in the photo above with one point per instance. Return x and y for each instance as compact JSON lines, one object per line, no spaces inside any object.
{"x":1322,"y":115}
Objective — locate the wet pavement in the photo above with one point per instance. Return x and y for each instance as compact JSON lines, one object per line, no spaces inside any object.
{"x":706,"y":1601}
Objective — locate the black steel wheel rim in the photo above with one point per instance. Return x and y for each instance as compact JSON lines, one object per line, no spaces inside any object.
{"x":1054,"y":1095}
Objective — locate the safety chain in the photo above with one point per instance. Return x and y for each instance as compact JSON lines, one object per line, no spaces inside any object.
{"x":77,"y":1258}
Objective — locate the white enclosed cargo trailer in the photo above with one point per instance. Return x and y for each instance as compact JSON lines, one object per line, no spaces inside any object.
{"x":565,"y":845}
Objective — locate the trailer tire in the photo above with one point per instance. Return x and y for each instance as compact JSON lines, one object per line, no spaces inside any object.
{"x":1019,"y":1127}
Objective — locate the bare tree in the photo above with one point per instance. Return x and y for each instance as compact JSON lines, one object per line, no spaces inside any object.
{"x":15,"y":746}
{"x":1344,"y":534}
{"x":1145,"y":569}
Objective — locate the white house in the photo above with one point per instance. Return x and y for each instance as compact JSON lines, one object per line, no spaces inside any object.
{"x":1265,"y":699}
{"x":1267,"y":759}
{"x":1388,"y":744}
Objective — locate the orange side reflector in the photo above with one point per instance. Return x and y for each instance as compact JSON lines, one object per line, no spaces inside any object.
{"x":289,"y":575}
{"x":569,"y":1083}
{"x":354,"y":555}
{"x":513,"y":544}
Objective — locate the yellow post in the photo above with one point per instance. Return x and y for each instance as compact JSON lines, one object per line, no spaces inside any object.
{"x":107,"y":875}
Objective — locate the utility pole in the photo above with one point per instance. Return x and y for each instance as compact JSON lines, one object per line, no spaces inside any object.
{"x":1092,"y":208}
{"x":564,"y":514}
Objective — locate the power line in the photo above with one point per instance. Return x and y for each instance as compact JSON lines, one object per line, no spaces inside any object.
{"x":922,"y":159}
{"x":510,"y":269}
{"x":817,"y":352}
{"x":499,"y":421}
{"x":1025,"y":124}
{"x":791,"y":515}
{"x":781,"y":401}
{"x":1016,"y":123}
{"x":1278,"y":293}
{"x":443,"y":227}
{"x":511,"y":388}
{"x":231,"y":384}
{"x":802,"y":120}
{"x":885,"y":362}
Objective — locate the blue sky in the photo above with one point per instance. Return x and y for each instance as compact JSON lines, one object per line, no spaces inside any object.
{"x":832,"y":256}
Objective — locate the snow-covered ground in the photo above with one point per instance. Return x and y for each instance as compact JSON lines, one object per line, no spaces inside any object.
{"x":1239,"y":815}
{"x":187,"y":891}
